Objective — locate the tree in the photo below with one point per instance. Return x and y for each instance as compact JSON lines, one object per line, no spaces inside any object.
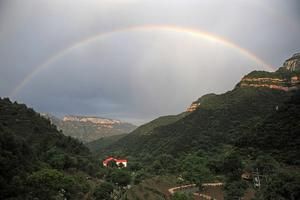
{"x":103,"y":191}
{"x":45,"y":183}
{"x":266,"y":164}
{"x":121,"y":165}
{"x":120,"y":177}
{"x":282,"y":185}
{"x":235,"y":190}
{"x":195,"y":170}
{"x":112,"y":164}
{"x":233,"y":166}
{"x":48,"y":183}
{"x":181,"y":196}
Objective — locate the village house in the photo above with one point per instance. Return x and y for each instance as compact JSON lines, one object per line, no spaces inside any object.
{"x":119,"y":162}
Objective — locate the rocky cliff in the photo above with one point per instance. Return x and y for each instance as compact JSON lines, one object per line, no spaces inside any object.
{"x":196,"y":104}
{"x":293,"y":63}
{"x":90,"y":128}
{"x":103,"y":122}
{"x":193,"y":106}
{"x":286,"y":78}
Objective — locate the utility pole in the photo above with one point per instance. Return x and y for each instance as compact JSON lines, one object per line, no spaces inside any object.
{"x":256,"y":179}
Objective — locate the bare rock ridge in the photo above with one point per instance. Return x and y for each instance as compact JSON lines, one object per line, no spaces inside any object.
{"x":193,"y":106}
{"x":90,"y":128}
{"x":108,"y":123}
{"x":293,"y":63}
{"x":286,"y":78}
{"x":196,"y":104}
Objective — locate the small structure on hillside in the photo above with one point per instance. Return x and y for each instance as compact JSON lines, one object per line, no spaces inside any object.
{"x":119,"y":162}
{"x":247,"y":176}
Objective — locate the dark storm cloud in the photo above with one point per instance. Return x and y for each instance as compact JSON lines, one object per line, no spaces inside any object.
{"x":136,"y":75}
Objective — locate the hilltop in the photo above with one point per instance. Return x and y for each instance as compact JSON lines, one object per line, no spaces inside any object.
{"x":286,"y":78}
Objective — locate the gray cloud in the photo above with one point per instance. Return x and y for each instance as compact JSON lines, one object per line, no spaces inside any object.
{"x":136,"y":75}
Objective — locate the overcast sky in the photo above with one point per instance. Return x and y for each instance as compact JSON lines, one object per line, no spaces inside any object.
{"x":136,"y":75}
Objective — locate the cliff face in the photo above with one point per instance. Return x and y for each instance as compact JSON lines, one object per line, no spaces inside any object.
{"x":293,"y":63}
{"x":90,"y":128}
{"x":193,"y":106}
{"x":286,"y":78}
{"x":284,"y":84}
{"x":196,"y":104}
{"x":108,"y":123}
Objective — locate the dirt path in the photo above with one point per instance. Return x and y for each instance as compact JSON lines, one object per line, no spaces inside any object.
{"x":183,"y":187}
{"x":211,"y":191}
{"x":207,"y":190}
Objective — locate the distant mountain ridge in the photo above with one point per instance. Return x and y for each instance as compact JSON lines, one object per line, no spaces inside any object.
{"x":90,"y":128}
{"x":105,"y":122}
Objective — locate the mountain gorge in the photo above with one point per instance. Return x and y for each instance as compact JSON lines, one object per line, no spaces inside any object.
{"x":90,"y":128}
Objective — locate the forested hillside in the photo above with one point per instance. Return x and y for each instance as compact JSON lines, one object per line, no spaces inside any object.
{"x":252,"y":129}
{"x":38,"y":161}
{"x":227,"y":119}
{"x":218,"y":120}
{"x":277,"y":135}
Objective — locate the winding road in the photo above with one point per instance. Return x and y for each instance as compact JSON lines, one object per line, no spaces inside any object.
{"x":184,"y":187}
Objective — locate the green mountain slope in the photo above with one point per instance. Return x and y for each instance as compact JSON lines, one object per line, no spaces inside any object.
{"x":277,"y":135}
{"x":218,"y":119}
{"x":135,"y":138}
{"x":35,"y":158}
{"x":98,"y":145}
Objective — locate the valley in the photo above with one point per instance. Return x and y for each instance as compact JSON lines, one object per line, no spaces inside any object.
{"x":246,"y":140}
{"x":149,"y":100}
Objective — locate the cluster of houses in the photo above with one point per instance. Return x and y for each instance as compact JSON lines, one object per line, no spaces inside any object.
{"x":119,"y":162}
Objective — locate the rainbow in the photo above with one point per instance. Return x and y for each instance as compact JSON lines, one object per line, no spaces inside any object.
{"x":188,"y":31}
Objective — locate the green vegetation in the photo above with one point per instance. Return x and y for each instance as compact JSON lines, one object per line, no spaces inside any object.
{"x":217,"y":122}
{"x":277,"y":135}
{"x":155,"y":188}
{"x":145,"y":130}
{"x":38,"y":161}
{"x":182,"y":196}
{"x":281,"y":73}
{"x":282,"y":184}
{"x":103,"y":191}
{"x":245,"y":129}
{"x":99,"y":145}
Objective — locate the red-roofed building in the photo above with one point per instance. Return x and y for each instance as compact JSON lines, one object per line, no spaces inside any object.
{"x":118,"y":162}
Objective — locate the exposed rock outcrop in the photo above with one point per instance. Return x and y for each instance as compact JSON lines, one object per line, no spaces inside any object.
{"x":90,"y":128}
{"x":286,"y":78}
{"x":95,"y":120}
{"x":193,"y":106}
{"x":293,"y":63}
